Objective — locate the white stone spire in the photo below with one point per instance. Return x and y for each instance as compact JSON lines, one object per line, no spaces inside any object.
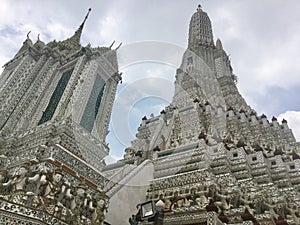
{"x":200,"y":31}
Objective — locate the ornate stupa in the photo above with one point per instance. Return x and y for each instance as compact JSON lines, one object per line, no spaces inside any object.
{"x":209,"y":156}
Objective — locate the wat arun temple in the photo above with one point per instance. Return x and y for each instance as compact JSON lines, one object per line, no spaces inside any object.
{"x":207,"y":159}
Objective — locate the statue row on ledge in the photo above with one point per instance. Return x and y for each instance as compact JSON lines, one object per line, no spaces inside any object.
{"x":45,"y":187}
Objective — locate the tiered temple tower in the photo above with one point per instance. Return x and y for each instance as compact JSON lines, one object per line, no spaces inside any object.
{"x":56,"y":101}
{"x":208,"y":156}
{"x":208,"y":147}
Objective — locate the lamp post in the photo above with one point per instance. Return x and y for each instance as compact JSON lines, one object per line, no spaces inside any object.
{"x":150,"y":211}
{"x":153,"y":212}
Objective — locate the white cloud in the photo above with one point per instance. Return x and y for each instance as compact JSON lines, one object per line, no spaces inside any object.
{"x":112,"y":158}
{"x":109,"y":26}
{"x":293,"y":118}
{"x":130,"y":103}
{"x":57,"y":31}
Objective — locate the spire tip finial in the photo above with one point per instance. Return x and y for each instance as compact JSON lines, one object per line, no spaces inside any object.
{"x":75,"y":39}
{"x":199,"y":9}
{"x":87,"y":15}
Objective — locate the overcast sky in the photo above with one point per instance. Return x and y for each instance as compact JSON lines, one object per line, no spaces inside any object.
{"x":261,"y":36}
